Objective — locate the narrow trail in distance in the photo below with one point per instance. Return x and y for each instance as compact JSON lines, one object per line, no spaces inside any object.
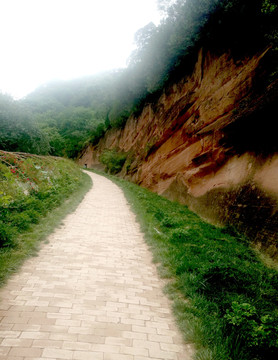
{"x":91,"y":293}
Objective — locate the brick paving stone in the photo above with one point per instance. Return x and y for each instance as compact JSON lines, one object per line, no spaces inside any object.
{"x":91,"y":293}
{"x":17,"y":342}
{"x":24,"y":352}
{"x":47,"y":343}
{"x":57,"y":353}
{"x":87,"y":355}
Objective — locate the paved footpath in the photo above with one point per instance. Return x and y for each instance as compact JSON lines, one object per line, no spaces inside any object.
{"x":91,"y":293}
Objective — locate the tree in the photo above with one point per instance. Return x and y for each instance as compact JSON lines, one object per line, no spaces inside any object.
{"x":18,"y":129}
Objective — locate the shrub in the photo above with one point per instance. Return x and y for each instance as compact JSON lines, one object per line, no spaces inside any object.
{"x":6,"y":235}
{"x":256,"y":331}
{"x":113,"y":160}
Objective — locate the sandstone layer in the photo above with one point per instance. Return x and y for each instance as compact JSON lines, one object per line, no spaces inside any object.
{"x":209,"y":142}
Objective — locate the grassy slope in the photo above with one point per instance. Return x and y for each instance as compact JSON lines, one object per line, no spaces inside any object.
{"x":27,"y":219}
{"x":224,"y":297}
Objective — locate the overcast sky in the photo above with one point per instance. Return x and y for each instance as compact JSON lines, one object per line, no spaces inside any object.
{"x":45,"y":40}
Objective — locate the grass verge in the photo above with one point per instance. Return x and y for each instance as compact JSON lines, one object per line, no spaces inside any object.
{"x":224,"y":297}
{"x":59,"y":202}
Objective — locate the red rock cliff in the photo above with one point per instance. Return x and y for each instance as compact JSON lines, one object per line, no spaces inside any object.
{"x":208,"y":142}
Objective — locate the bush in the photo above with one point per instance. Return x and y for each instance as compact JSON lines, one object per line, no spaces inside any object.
{"x":6,"y":235}
{"x":256,"y":331}
{"x":113,"y":160}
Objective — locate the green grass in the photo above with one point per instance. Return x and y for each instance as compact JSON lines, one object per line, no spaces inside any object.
{"x":224,"y":297}
{"x":29,"y":213}
{"x":11,"y":258}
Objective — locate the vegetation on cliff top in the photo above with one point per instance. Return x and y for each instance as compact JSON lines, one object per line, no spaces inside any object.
{"x":224,"y":297}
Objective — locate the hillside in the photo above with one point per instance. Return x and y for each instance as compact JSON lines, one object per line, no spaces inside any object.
{"x":208,"y":142}
{"x":72,"y":114}
{"x":31,"y":186}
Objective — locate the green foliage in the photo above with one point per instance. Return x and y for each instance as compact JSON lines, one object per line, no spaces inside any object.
{"x":224,"y":297}
{"x":113,"y":160}
{"x":31,"y":186}
{"x":239,"y":313}
{"x":74,"y":113}
{"x":268,"y":7}
{"x":97,"y":133}
{"x":6,"y":234}
{"x":18,"y":129}
{"x":167,"y":52}
{"x":255,"y":331}
{"x":57,"y":143}
{"x":69,"y":129}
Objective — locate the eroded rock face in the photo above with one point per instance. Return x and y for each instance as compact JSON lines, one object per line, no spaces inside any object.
{"x":209,"y":143}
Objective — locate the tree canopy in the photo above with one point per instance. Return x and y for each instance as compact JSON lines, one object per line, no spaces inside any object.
{"x":19,"y":130}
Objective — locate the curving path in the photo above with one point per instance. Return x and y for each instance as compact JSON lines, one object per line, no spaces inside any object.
{"x":91,"y":293}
